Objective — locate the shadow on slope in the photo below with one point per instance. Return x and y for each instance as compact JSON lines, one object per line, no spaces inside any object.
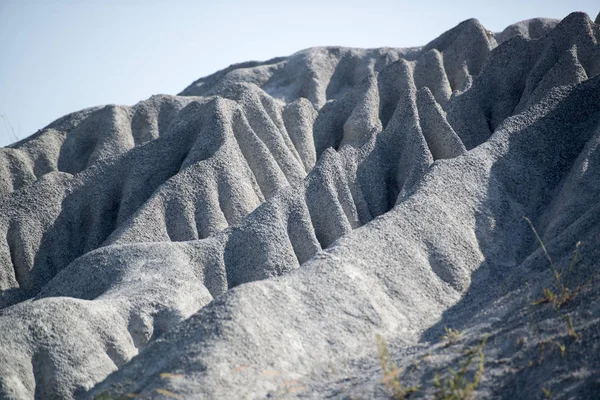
{"x":529,"y":179}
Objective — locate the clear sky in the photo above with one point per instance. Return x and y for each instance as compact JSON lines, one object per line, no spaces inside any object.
{"x":59,"y":56}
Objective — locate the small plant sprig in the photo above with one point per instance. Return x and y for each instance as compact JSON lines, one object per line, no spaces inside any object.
{"x":547,"y":392}
{"x":456,"y":385}
{"x":561,"y":293}
{"x":391,"y":372}
{"x":9,"y":128}
{"x":451,"y":336}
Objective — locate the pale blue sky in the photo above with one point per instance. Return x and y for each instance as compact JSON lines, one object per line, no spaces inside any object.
{"x":62,"y":56}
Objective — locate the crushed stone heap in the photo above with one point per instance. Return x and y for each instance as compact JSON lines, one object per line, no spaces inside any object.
{"x":251,"y":236}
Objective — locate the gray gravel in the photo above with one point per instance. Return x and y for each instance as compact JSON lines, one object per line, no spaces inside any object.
{"x":250,"y":237}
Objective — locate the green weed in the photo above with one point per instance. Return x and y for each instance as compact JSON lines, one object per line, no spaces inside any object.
{"x":451,"y":336}
{"x":547,"y":392}
{"x":457,"y":384}
{"x":14,"y":137}
{"x":391,"y":372}
{"x":561,"y":293}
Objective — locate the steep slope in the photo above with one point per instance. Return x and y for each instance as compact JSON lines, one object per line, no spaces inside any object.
{"x":274,"y":217}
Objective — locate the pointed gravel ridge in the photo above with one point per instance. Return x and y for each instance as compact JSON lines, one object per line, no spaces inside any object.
{"x":271,"y":219}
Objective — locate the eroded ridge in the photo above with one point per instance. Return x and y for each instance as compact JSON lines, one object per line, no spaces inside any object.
{"x":262,"y":173}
